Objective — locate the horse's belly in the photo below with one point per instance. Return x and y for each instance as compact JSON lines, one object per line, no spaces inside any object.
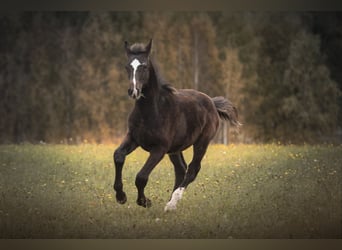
{"x":184,"y":139}
{"x":148,"y":140}
{"x":179,"y":148}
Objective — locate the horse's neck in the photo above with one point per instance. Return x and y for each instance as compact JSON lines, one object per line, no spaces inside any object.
{"x":149,"y":102}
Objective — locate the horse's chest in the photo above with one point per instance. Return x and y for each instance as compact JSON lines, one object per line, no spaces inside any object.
{"x":147,"y":133}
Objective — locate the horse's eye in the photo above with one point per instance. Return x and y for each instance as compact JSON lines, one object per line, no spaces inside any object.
{"x":128,"y":69}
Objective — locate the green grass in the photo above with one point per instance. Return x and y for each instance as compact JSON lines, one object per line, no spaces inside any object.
{"x":242,"y":191}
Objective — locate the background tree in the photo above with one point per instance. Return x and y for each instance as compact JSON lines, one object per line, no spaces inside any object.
{"x":309,"y":102}
{"x":232,"y":87}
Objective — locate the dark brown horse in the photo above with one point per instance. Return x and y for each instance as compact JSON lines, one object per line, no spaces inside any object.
{"x":166,"y":121}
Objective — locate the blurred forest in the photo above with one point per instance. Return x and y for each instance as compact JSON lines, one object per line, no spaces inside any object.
{"x":62,"y":76}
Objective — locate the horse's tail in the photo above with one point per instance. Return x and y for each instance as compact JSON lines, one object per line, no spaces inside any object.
{"x":226,"y":110}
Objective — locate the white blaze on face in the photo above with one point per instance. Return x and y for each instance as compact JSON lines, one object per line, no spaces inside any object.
{"x":135,"y":64}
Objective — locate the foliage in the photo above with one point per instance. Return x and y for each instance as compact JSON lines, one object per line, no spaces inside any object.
{"x":244,"y":191}
{"x":310,"y":100}
{"x":62,"y":76}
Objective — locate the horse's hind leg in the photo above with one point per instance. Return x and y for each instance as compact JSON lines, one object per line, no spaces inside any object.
{"x":179,"y":164}
{"x":126,"y":147}
{"x":199,"y":150}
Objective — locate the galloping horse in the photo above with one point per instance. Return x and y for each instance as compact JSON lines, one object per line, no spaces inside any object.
{"x":166,"y":120}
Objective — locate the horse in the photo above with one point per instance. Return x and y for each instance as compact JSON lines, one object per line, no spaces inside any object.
{"x":166,"y":120}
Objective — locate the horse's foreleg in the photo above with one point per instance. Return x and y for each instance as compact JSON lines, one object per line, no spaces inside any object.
{"x":142,"y":177}
{"x":126,"y":147}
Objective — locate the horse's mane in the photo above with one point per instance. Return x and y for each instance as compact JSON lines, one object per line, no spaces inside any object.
{"x":160,"y":79}
{"x":137,"y":48}
{"x":169,"y":88}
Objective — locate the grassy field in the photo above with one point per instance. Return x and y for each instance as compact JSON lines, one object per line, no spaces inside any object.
{"x":242,"y":191}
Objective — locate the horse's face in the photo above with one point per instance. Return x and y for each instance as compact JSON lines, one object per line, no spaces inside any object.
{"x":138,"y":74}
{"x":138,"y":68}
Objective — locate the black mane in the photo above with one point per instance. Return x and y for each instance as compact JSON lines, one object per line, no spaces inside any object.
{"x":160,"y":79}
{"x":137,"y":49}
{"x":169,"y":88}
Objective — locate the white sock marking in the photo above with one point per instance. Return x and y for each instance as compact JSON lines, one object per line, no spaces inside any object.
{"x":176,"y":196}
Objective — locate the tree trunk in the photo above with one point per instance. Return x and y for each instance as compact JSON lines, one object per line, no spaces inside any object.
{"x":225,"y":133}
{"x":196,"y":60}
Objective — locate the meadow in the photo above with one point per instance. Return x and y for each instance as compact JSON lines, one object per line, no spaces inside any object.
{"x":242,"y":191}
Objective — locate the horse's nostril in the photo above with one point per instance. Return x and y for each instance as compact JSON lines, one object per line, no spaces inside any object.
{"x":134,"y":93}
{"x":130,"y":92}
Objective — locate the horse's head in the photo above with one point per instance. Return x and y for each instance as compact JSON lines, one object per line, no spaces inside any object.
{"x":138,"y":67}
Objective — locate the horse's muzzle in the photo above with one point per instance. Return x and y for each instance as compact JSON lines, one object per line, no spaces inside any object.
{"x":134,"y":93}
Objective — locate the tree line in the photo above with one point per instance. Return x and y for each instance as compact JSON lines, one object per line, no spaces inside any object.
{"x":62,"y":76}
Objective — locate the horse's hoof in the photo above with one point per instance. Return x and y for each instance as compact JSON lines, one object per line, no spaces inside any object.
{"x":170,"y":207}
{"x":121,"y":198}
{"x":144,"y":202}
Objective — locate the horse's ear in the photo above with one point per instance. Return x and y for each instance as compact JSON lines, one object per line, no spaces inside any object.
{"x":128,"y":51}
{"x":149,"y":46}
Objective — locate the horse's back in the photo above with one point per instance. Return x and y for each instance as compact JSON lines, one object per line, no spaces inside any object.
{"x":193,"y":101}
{"x":196,"y":117}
